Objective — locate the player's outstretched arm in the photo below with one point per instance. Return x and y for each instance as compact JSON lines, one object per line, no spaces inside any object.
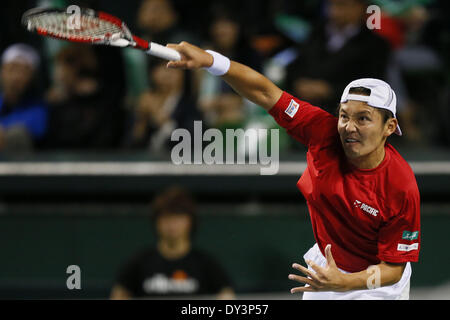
{"x":247,"y":82}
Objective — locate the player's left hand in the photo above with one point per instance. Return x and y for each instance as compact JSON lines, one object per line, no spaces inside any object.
{"x":328,"y":278}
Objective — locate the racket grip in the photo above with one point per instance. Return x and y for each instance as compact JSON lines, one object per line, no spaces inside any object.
{"x":163,"y":52}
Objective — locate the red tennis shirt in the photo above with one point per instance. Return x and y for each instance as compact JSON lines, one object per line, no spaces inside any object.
{"x":368,"y":216}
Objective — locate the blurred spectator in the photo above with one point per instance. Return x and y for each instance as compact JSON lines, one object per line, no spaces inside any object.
{"x":86,"y":99}
{"x":23,"y":114}
{"x":339,"y":50}
{"x":415,"y":71}
{"x":192,"y":16}
{"x":173,"y":267}
{"x":168,"y":104}
{"x":221,"y":106}
{"x":158,"y":20}
{"x":436,"y":32}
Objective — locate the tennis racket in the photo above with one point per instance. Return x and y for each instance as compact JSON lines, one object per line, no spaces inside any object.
{"x":90,"y":26}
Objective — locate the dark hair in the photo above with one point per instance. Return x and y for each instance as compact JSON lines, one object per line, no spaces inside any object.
{"x":173,"y":200}
{"x":385,"y":114}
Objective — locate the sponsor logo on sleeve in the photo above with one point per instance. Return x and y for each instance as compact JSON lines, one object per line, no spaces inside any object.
{"x":410,"y":235}
{"x":292,"y":109}
{"x":407,"y":247}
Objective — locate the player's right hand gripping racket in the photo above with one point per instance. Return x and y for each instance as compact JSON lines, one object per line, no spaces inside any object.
{"x":90,"y":26}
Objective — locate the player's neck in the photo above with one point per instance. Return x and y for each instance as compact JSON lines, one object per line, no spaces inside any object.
{"x":371,"y":160}
{"x":174,"y":249}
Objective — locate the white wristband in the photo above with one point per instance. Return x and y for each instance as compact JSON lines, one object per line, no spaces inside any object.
{"x":220,"y":65}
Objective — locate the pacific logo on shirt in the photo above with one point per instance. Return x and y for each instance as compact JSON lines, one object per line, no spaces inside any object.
{"x":366,"y":208}
{"x":292,"y":109}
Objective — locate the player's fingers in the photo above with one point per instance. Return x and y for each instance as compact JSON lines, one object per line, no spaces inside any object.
{"x":183,"y":47}
{"x":303,"y":289}
{"x":177,"y":64}
{"x":306,"y":271}
{"x":302,"y":280}
{"x":316,"y":268}
{"x":330,"y":259}
{"x":173,"y":46}
{"x":180,"y":49}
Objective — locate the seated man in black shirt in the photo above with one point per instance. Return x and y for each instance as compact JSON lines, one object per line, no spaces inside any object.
{"x":173,"y":268}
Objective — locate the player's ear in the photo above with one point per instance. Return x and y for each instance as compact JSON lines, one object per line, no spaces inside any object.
{"x":391,"y":126}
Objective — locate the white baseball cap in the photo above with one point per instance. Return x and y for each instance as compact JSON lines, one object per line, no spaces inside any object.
{"x":381,"y":95}
{"x":23,"y":53}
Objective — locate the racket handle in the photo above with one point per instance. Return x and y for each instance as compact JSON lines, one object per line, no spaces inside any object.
{"x":163,"y":52}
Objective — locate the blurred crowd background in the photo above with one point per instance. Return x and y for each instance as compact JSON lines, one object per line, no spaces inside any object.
{"x":63,"y":96}
{"x":67,"y":110}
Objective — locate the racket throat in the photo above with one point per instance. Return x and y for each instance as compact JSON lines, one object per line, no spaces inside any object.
{"x":117,"y":40}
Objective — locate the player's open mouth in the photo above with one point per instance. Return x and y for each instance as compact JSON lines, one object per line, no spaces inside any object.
{"x":351,"y":141}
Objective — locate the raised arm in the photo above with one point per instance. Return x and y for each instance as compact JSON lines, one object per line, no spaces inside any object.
{"x":247,"y":82}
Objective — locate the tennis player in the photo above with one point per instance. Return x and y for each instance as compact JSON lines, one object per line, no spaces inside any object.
{"x":362,"y":195}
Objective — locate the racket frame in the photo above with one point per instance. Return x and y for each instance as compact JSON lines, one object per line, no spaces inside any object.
{"x":124,"y":38}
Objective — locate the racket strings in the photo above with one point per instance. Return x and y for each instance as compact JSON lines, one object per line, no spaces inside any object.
{"x":86,"y":28}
